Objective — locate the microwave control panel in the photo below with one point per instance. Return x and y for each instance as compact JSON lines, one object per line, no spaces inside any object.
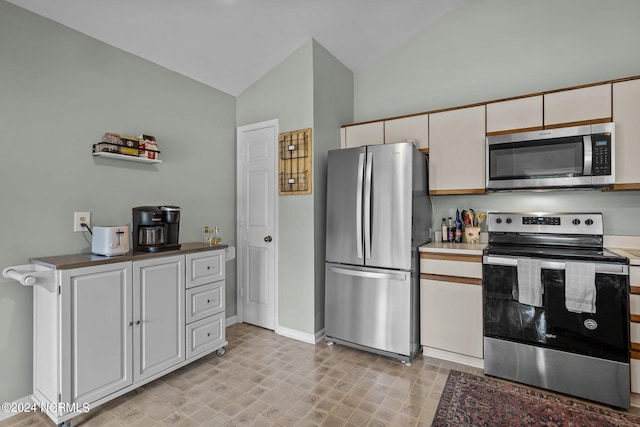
{"x":601,"y":154}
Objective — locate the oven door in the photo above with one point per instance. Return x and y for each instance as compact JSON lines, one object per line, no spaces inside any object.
{"x":603,"y":334}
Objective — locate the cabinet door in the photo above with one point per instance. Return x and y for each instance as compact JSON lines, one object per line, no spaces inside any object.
{"x":364,"y":134}
{"x":407,"y":128}
{"x":158,"y":315}
{"x":451,"y":317}
{"x":520,"y":114}
{"x":626,"y":115}
{"x":456,"y":151}
{"x":578,"y":105}
{"x":96,"y":331}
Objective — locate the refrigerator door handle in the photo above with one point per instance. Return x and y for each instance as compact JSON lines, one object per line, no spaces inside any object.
{"x":367,"y":206}
{"x":359,"y":205}
{"x":369,"y":274}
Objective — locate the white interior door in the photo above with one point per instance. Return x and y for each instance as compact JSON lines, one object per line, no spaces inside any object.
{"x":257,"y":213}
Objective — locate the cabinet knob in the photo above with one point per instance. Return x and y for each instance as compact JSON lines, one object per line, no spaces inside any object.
{"x":208,"y":267}
{"x":268,"y":239}
{"x":137,"y":322}
{"x":131,"y":323}
{"x":208,"y":334}
{"x":208,"y":301}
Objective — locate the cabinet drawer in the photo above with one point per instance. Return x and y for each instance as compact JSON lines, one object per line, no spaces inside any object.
{"x":205,"y":300}
{"x":205,"y":334}
{"x":205,"y":267}
{"x":451,"y":268}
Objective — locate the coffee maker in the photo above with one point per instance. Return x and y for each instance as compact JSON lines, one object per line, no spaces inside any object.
{"x":156,"y":228}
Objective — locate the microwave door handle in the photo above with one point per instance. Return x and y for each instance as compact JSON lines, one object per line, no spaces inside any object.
{"x":588,"y":155}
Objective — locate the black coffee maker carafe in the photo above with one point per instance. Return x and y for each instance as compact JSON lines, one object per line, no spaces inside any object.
{"x":156,"y":228}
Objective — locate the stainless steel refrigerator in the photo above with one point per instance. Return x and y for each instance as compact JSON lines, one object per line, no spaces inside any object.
{"x":378,"y":214}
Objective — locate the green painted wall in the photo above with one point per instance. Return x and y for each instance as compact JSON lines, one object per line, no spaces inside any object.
{"x":59,"y":92}
{"x":493,"y":49}
{"x":311,"y":88}
{"x":286,"y":93}
{"x":333,"y":106}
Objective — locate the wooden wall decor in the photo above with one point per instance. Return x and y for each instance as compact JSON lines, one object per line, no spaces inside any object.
{"x":294,"y":164}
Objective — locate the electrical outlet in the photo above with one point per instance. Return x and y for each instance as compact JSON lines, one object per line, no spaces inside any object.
{"x":79,"y":218}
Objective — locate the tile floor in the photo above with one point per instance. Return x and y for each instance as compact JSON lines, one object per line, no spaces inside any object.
{"x":268,"y":380}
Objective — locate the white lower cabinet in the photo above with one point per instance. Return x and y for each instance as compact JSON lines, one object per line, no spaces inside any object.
{"x":158,"y":315}
{"x":451,"y":307}
{"x":95,"y":336}
{"x":101,"y":331}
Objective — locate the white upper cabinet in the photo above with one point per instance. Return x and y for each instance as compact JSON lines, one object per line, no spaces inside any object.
{"x":364,"y":134}
{"x":515,"y":114}
{"x":626,"y":115}
{"x":408,"y":128}
{"x":456,"y":151}
{"x":578,"y":105}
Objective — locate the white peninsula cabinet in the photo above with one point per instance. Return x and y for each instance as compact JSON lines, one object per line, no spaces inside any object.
{"x":626,"y":115}
{"x":103,"y":328}
{"x":586,"y":104}
{"x":451,"y":305}
{"x":456,"y":151}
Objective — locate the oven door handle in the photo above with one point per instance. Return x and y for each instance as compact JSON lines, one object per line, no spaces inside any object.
{"x":557,"y":265}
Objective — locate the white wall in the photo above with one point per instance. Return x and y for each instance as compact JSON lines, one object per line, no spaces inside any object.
{"x":59,"y":92}
{"x":493,"y":49}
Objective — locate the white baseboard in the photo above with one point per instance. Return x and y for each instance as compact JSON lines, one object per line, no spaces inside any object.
{"x":19,"y":402}
{"x":230,"y":321}
{"x":319,"y":335}
{"x":296,"y":335}
{"x":453,"y":357}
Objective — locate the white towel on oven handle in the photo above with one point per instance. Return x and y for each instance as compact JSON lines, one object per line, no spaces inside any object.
{"x":530,"y":288}
{"x":580,"y":287}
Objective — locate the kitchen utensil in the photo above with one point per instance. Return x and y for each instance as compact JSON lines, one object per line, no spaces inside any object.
{"x":481,"y":217}
{"x":472,"y":216}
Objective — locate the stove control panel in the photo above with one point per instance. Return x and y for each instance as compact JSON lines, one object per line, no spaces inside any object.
{"x":557,"y":223}
{"x":542,"y":220}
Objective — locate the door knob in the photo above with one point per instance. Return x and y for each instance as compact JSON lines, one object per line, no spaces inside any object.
{"x":268,"y":239}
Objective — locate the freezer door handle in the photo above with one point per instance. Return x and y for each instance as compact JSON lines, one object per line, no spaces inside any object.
{"x":359,"y":205}
{"x":369,"y":274}
{"x":367,"y":206}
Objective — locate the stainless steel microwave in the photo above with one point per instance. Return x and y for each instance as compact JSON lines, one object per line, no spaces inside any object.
{"x":571,"y":157}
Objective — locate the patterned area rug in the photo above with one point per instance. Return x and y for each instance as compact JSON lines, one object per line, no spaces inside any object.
{"x":472,"y":401}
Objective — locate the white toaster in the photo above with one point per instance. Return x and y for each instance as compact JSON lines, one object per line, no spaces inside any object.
{"x":110,"y":240}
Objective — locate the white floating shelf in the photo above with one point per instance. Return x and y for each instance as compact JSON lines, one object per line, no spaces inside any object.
{"x":126,"y":157}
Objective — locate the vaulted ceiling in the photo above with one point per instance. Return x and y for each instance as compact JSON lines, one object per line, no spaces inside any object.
{"x":229,"y":44}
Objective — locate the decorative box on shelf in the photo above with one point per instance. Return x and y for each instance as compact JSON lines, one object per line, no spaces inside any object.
{"x":138,"y":149}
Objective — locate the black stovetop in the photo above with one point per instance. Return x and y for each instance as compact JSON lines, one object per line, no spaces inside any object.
{"x":558,"y":253}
